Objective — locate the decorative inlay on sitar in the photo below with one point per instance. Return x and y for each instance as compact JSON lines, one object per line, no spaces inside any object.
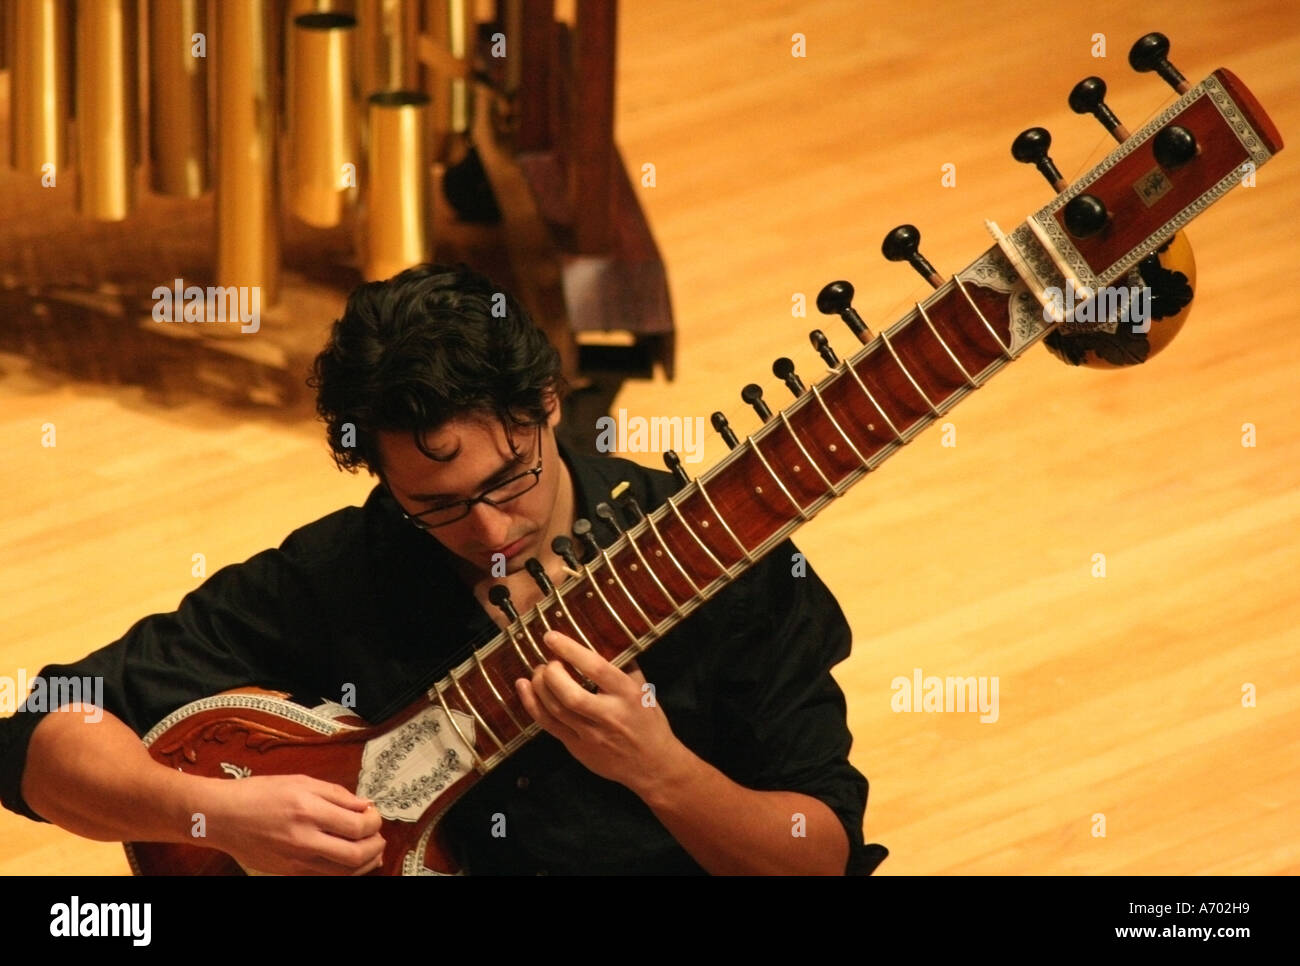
{"x":679,"y":555}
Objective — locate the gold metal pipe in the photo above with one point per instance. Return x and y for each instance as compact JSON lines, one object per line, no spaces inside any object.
{"x":247,"y":212}
{"x":178,"y":98}
{"x":451,"y":30}
{"x":37,"y":51}
{"x":322,"y":118}
{"x":384,"y":58}
{"x":397,"y":184}
{"x":107,"y":108}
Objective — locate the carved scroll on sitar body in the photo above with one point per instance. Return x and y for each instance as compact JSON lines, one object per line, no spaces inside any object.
{"x":866,"y":408}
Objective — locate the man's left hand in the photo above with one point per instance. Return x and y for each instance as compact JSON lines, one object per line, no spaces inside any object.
{"x":620,"y":733}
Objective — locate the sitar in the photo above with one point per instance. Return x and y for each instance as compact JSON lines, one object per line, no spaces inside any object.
{"x":1049,"y":278}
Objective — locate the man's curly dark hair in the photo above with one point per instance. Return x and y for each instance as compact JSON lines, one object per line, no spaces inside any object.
{"x":434,"y":343}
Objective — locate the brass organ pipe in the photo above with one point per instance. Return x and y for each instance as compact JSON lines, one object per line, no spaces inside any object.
{"x":37,"y":45}
{"x":247,"y":215}
{"x":107,"y":107}
{"x":397,"y":184}
{"x":451,"y":29}
{"x":382,"y":53}
{"x":178,"y":99}
{"x":322,"y":118}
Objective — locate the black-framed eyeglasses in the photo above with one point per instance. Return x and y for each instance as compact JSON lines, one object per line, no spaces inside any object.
{"x":501,"y":493}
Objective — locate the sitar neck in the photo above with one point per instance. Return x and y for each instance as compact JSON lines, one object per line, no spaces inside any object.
{"x":708,"y":533}
{"x":863,"y":410}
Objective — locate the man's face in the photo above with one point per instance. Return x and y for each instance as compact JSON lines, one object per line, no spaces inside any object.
{"x":483,"y":458}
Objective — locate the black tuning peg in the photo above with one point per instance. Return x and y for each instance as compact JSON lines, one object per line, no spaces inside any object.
{"x":582,"y":530}
{"x":823,"y":346}
{"x":1174,"y":146}
{"x":538,"y":573}
{"x":1089,"y":97}
{"x":674,"y":463}
{"x":783,"y":369}
{"x":499,"y":595}
{"x":903,"y":245}
{"x":1151,"y":52}
{"x":1085,"y":215}
{"x":1030,"y":147}
{"x":836,"y":298}
{"x":719,"y":421}
{"x":606,"y":513}
{"x":753,"y":395}
{"x":621,"y":494}
{"x":563,"y":548}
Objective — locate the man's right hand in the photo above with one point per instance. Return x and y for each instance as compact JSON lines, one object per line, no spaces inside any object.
{"x":294,"y":825}
{"x":98,"y":780}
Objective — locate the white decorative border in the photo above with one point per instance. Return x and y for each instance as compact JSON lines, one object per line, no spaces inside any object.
{"x":255,"y":702}
{"x":1246,"y":135}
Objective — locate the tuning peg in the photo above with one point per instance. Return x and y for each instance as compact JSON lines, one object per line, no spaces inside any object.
{"x":719,"y":421}
{"x":674,"y":463}
{"x":538,"y":573}
{"x":499,"y":595}
{"x":1030,"y":147}
{"x":582,"y":530}
{"x":836,"y":298}
{"x":902,"y":245}
{"x":1089,"y":97}
{"x":563,"y":548}
{"x":606,"y":513}
{"x":783,"y":369}
{"x":622,"y":495}
{"x":1085,"y":215}
{"x":753,"y":395}
{"x":1174,"y":146}
{"x":1151,"y":52}
{"x":823,"y":346}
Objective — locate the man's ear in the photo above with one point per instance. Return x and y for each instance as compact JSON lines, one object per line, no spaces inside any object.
{"x":551,"y":401}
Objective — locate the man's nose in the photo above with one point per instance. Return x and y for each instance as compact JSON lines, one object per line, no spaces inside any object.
{"x":489,"y":524}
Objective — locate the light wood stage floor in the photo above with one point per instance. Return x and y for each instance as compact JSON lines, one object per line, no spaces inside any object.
{"x":1118,"y":696}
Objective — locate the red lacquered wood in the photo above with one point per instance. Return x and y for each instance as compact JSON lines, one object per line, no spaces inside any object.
{"x":1249,"y":106}
{"x":1131,"y":219}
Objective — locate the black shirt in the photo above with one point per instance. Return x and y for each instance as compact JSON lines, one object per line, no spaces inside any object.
{"x":362,"y":598}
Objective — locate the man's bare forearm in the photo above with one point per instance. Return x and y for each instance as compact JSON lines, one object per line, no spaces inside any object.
{"x":96,"y":779}
{"x":732,"y":830}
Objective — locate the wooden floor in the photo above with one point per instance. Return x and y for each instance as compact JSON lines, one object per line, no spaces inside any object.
{"x":1119,"y":697}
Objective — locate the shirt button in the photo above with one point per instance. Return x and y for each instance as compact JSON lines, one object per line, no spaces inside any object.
{"x":521,"y":783}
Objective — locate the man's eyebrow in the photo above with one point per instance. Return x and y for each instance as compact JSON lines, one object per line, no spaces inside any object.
{"x":483,"y":485}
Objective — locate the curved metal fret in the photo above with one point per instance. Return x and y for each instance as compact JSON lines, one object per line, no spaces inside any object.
{"x":915,"y":385}
{"x":576,"y":626}
{"x":613,"y":613}
{"x":884,"y":415}
{"x":808,"y":456}
{"x":541,"y":615}
{"x":699,"y":485}
{"x":479,"y":764}
{"x":829,"y":415}
{"x":703,"y":546}
{"x":695,"y":588}
{"x":531,"y":640}
{"x":1006,"y":350}
{"x":627,"y":593}
{"x":474,"y":711}
{"x":653,"y":576}
{"x":757,"y":452}
{"x":482,"y":670}
{"x":971,"y":381}
{"x":514,"y":642}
